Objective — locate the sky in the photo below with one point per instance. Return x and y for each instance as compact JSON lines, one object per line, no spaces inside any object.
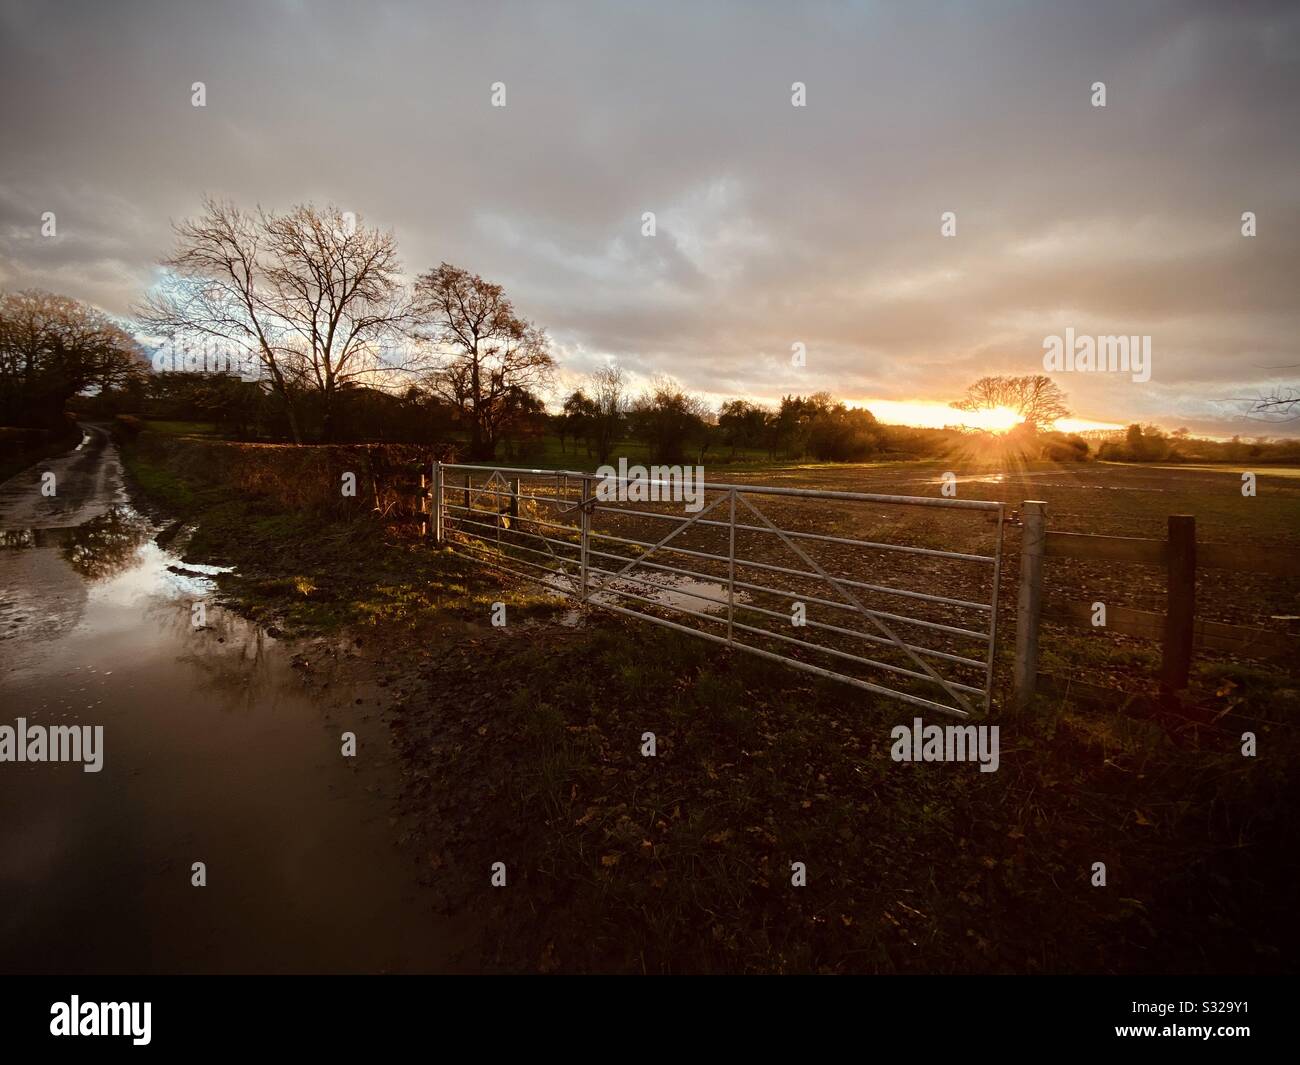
{"x":775,"y":225}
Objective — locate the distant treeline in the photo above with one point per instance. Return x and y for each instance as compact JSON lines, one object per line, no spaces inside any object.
{"x":474,"y":378}
{"x":335,"y":343}
{"x":669,"y":423}
{"x":1150,"y":443}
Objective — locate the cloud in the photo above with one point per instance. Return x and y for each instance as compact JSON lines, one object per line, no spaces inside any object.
{"x":775,"y":224}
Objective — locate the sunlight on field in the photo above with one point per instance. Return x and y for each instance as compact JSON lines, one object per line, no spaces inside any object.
{"x":1271,"y":471}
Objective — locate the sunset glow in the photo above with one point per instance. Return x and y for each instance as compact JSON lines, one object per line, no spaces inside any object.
{"x":931,"y":414}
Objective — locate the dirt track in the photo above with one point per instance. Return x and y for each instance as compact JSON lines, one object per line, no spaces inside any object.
{"x":87,"y":482}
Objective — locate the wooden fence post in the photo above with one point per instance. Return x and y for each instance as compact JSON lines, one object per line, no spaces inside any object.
{"x":1180,"y":608}
{"x":514,"y":497}
{"x":1029,"y":605}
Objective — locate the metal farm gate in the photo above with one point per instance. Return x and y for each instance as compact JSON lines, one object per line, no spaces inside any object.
{"x":767,"y":570}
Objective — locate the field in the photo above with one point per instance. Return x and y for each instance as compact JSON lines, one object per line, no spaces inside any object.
{"x":555,"y":454}
{"x":1115,"y":499}
{"x":523,"y":744}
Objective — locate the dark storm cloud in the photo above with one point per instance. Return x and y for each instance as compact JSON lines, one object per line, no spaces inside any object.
{"x":775,"y":224}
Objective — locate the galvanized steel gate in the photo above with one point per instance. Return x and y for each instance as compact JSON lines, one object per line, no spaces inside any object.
{"x":542,"y":525}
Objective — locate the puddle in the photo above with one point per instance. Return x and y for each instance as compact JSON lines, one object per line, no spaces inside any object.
{"x":687,"y":593}
{"x":215,"y":749}
{"x":983,"y":478}
{"x":670,"y":592}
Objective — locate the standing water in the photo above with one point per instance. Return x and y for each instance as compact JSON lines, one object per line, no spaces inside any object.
{"x":214,"y":751}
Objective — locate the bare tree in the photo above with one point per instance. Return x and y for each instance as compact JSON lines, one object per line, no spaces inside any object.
{"x":1035,"y":397}
{"x":1282,"y":404}
{"x":51,"y":348}
{"x":486,"y":352}
{"x":312,"y":293}
{"x":671,"y":420}
{"x":610,"y":401}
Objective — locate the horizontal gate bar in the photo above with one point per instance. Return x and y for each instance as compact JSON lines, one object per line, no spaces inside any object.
{"x":522,"y":561}
{"x":716,"y":619}
{"x":521,"y":495}
{"x":534,"y":536}
{"x":782,"y":593}
{"x":937,"y":626}
{"x":752,"y":489}
{"x":819,"y":648}
{"x":793,"y":663}
{"x":531,"y":521}
{"x":932,"y":552}
{"x":920,"y":649}
{"x":882,"y":588}
{"x":794,"y":596}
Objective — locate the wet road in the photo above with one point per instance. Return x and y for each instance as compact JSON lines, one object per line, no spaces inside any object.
{"x":214,"y":751}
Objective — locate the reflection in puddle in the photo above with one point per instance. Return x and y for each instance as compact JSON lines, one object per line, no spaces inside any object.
{"x":105,"y":546}
{"x":684,"y":593}
{"x":983,"y":478}
{"x":97,"y":549}
{"x":48,"y":576}
{"x":673,"y":593}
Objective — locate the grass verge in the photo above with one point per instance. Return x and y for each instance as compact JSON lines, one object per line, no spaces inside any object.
{"x":309,"y":573}
{"x":530,"y":753}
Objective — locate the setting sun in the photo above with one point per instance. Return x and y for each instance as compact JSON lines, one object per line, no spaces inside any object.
{"x":999,"y":420}
{"x":935,"y":415}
